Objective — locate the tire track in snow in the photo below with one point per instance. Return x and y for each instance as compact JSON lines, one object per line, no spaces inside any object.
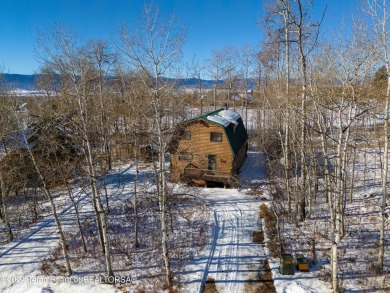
{"x":212,"y":251}
{"x":230,"y":249}
{"x":231,"y":258}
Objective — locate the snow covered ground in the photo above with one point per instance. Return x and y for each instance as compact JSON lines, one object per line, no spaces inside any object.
{"x":19,"y":261}
{"x":300,"y":282}
{"x":230,"y":257}
{"x":358,"y":249}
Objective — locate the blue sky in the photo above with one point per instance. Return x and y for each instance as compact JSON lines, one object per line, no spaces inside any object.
{"x":212,"y":24}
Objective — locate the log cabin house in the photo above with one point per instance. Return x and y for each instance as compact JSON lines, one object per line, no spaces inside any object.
{"x":209,"y":148}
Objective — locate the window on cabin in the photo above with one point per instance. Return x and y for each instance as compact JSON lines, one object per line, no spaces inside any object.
{"x":184,"y":156}
{"x":216,"y":136}
{"x":186,"y":135}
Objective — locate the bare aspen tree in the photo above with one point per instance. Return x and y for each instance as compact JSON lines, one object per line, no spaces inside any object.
{"x":248,"y":61}
{"x":65,"y":163}
{"x":136,"y":162}
{"x":7,"y":123}
{"x":103,"y":59}
{"x":230,"y":73}
{"x":153,"y":49}
{"x":379,"y":13}
{"x":287,"y":169}
{"x":306,"y":35}
{"x":348,"y":64}
{"x":75,"y":206}
{"x":279,"y":26}
{"x":137,"y":111}
{"x":293,"y":36}
{"x":60,"y":51}
{"x":215,"y":70}
{"x":196,"y":70}
{"x":4,"y":190}
{"x":46,"y":190}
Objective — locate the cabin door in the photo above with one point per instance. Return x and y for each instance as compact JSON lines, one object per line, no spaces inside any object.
{"x":212,"y":162}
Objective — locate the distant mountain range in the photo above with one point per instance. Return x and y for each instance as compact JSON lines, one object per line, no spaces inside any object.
{"x":194,"y":83}
{"x":28,"y":82}
{"x":20,"y":81}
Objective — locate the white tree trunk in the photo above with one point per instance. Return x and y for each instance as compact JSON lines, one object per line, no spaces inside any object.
{"x":5,"y":210}
{"x":101,"y":214}
{"x":384,"y":174}
{"x":47,"y":192}
{"x":136,"y":192}
{"x":163,"y":203}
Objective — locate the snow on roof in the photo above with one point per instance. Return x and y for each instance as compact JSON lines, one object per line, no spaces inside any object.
{"x":220,"y":116}
{"x":218,"y":119}
{"x":228,"y":114}
{"x":224,"y":117}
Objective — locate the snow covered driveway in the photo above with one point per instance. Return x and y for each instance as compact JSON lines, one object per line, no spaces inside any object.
{"x":232,"y":259}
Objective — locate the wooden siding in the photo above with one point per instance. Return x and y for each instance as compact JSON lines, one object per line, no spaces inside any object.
{"x":200,"y":146}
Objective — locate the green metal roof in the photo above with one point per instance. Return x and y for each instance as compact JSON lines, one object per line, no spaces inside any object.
{"x":236,"y":138}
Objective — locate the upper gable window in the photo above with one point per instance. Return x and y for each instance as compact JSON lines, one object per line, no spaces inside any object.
{"x":216,"y":136}
{"x":186,"y":135}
